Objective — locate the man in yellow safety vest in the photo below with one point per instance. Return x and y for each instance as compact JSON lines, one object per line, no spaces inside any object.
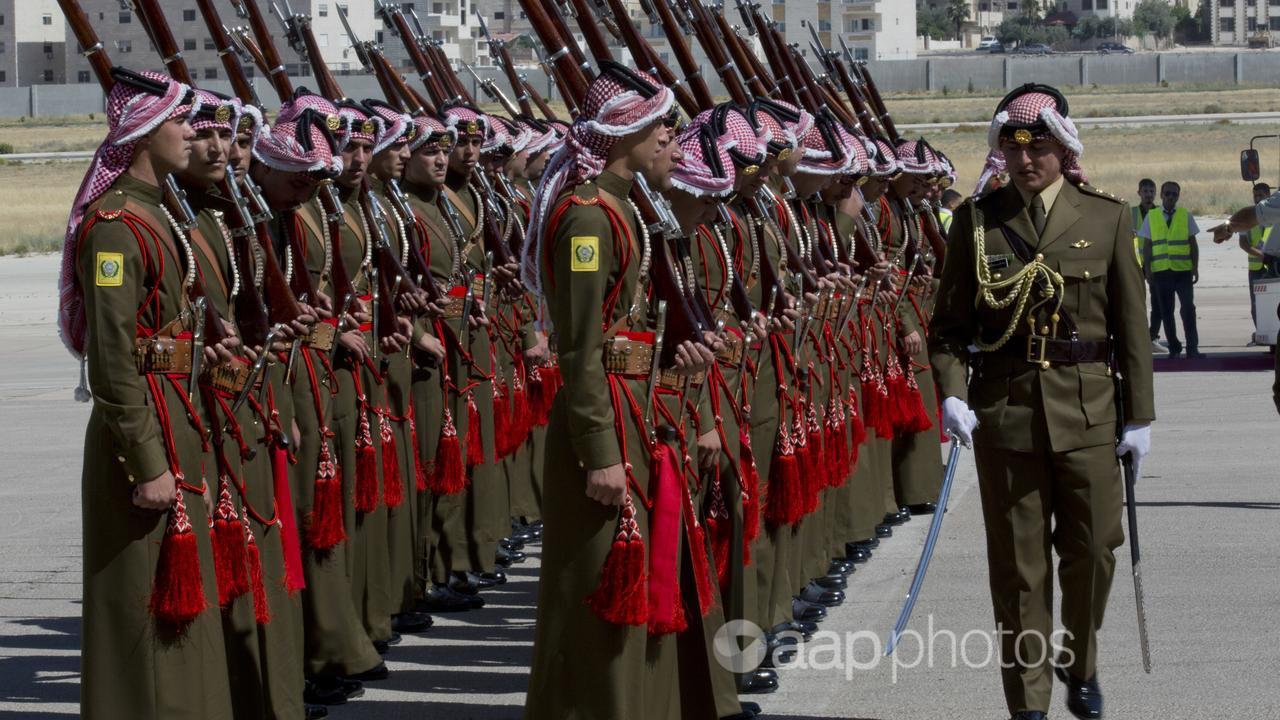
{"x":1147,"y":203}
{"x":1173,"y":259}
{"x":1253,"y":242}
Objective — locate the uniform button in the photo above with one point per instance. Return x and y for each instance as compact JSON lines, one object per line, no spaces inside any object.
{"x":999,"y":276}
{"x":1039,"y":257}
{"x":1086,"y":274}
{"x":1044,"y":364}
{"x":120,"y":458}
{"x":1044,"y":330}
{"x":130,"y":478}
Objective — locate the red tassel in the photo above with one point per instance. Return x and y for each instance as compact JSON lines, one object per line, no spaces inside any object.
{"x":859,"y":427}
{"x":392,"y":482}
{"x":324,"y":525}
{"x":749,"y":476}
{"x":229,"y":558}
{"x":261,"y":612}
{"x":366,"y":468}
{"x":917,"y":420}
{"x":783,"y":504}
{"x":698,"y":551}
{"x":719,"y":525}
{"x":475,"y":446}
{"x":521,"y":414}
{"x":535,"y":397}
{"x":621,"y":597}
{"x":448,"y":476}
{"x":501,"y":421}
{"x":419,"y":469}
{"x":290,"y":543}
{"x":177,"y":594}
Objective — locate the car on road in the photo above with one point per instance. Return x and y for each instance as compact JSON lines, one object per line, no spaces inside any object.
{"x":1107,"y":48}
{"x":1034,"y":49}
{"x":988,"y":42}
{"x":997,"y":48}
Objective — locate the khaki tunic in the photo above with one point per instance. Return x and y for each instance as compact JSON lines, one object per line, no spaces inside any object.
{"x":584,"y":668}
{"x":129,"y":668}
{"x":1045,"y":448}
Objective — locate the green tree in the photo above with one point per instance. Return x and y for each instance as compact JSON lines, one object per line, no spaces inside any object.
{"x":932,"y":23}
{"x":1033,"y":10}
{"x":1153,"y":17}
{"x":958,"y":13}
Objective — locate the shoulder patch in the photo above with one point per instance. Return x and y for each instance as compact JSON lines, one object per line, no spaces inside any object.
{"x":109,"y":269}
{"x":586,"y":254}
{"x":1095,"y":192}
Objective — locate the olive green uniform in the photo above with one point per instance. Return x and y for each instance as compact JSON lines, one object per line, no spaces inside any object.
{"x":1045,"y":441}
{"x":129,"y":667}
{"x":583,"y":667}
{"x":336,"y":643}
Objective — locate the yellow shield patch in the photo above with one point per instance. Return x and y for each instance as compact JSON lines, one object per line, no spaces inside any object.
{"x":586,"y":254}
{"x":110,"y":269}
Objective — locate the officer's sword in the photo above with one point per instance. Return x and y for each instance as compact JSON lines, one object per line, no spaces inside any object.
{"x":1131,"y":513}
{"x":930,"y":542}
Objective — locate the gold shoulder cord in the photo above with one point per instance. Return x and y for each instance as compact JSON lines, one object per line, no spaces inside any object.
{"x":1018,"y":286}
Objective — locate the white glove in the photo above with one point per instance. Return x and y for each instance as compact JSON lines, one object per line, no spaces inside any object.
{"x":1136,"y":439}
{"x":958,"y":419}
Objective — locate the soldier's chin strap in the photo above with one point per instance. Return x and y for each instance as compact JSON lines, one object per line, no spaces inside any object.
{"x":1018,"y":285}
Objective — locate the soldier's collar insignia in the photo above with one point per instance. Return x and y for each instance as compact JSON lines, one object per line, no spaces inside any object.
{"x":1081,"y":244}
{"x":334,"y":122}
{"x":1022,"y":137}
{"x":222,"y":114}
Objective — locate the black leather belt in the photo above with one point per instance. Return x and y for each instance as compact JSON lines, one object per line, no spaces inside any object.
{"x":1040,"y":350}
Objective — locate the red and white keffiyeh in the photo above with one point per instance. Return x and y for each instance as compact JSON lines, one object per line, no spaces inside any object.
{"x":1040,"y":111}
{"x":394,"y":125}
{"x":303,"y":145}
{"x":620,"y":102}
{"x":133,"y":112}
{"x":430,"y":130}
{"x":706,"y":168}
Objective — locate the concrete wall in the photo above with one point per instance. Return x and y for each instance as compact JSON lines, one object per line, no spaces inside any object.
{"x":929,"y":74}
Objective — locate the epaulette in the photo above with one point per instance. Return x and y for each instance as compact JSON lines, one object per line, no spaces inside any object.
{"x":1091,"y":190}
{"x":111,"y":205}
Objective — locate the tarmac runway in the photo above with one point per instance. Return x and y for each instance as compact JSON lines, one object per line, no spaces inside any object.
{"x":1208,"y":511}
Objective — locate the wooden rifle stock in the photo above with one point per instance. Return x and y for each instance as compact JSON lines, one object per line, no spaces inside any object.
{"x":90,"y":46}
{"x":684,"y":56}
{"x":395,"y":16}
{"x":569,"y":73}
{"x":343,"y":286}
{"x":704,"y":27}
{"x":417,"y":240}
{"x":760,"y":82}
{"x":266,"y":45}
{"x":222,"y":41}
{"x":878,"y":102}
{"x":157,"y":28}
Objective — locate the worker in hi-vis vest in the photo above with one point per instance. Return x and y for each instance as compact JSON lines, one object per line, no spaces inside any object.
{"x":1253,"y":242}
{"x":1146,"y":203}
{"x":1173,"y":259}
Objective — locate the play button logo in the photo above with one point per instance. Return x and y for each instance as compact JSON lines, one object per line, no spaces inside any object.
{"x":739,"y":646}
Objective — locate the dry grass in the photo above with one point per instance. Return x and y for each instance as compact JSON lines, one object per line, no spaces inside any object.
{"x":1091,"y":102}
{"x":1204,"y":159}
{"x":37,"y":197}
{"x":79,"y":132}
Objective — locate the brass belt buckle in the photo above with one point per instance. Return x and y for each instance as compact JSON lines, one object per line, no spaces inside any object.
{"x":1037,"y":349}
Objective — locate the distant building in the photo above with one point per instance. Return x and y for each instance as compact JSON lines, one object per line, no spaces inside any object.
{"x":32,"y":39}
{"x":1235,"y":22}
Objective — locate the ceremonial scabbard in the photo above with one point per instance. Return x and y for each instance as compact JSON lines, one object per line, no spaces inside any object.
{"x":1135,"y":555}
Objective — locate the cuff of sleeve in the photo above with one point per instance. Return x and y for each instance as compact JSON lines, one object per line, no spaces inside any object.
{"x":597,"y":449}
{"x":144,"y":462}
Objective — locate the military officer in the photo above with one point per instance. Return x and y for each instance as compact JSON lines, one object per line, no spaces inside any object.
{"x":1043,"y":418}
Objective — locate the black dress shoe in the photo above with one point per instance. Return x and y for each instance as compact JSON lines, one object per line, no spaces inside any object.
{"x":904,"y":512}
{"x":750,"y":707}
{"x":1029,"y":715}
{"x":925,"y":508}
{"x":857,"y":552}
{"x":872,"y":543}
{"x":411,"y":622}
{"x":893,"y":519}
{"x":804,"y":610}
{"x":443,"y":599}
{"x":1084,"y":697}
{"x":384,"y":646}
{"x":884,"y":531}
{"x":514,"y":543}
{"x":470,"y":583}
{"x":315,"y":712}
{"x":832,"y":582}
{"x":352,"y":688}
{"x":373,"y":674}
{"x":795,"y":630}
{"x":840,"y":566}
{"x":507,"y":558}
{"x":815,"y":593}
{"x":756,"y":683}
{"x":323,"y":691}
{"x":1195,"y":355}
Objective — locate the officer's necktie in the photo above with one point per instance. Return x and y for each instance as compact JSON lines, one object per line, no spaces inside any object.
{"x":1038,"y":215}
